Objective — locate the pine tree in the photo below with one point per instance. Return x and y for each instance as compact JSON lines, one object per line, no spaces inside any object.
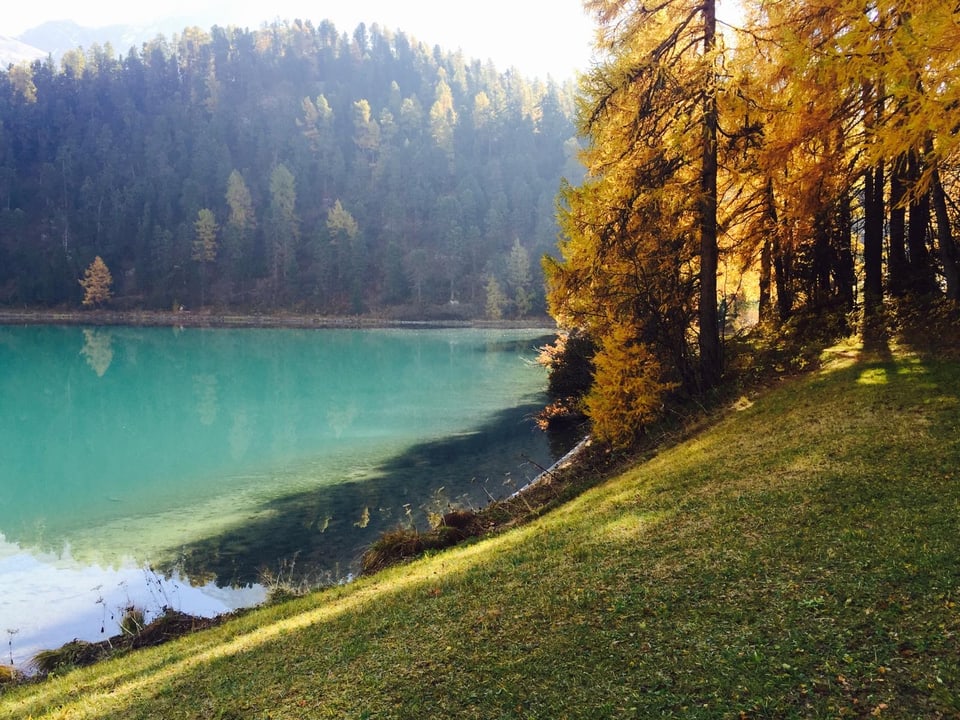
{"x":518,"y":278}
{"x":283,"y":228}
{"x":204,"y":245}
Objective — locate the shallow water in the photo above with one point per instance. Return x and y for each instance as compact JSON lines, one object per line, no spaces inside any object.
{"x":183,"y":468}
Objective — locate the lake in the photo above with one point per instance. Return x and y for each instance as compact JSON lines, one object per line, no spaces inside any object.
{"x":193,"y":468}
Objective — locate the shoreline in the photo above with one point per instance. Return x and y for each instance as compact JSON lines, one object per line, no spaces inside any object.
{"x":211,"y":319}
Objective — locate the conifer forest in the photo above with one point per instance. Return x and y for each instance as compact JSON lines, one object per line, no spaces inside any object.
{"x":289,"y":168}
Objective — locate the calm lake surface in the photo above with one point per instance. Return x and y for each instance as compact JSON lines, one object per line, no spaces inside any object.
{"x":185,"y":468}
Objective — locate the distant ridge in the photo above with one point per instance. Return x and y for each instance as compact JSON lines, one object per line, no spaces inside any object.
{"x":13,"y":52}
{"x":59,"y":36}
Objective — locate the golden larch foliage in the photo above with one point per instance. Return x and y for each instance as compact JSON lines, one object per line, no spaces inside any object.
{"x":96,"y":283}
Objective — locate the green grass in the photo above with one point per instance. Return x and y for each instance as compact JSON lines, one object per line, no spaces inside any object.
{"x":798,"y":559}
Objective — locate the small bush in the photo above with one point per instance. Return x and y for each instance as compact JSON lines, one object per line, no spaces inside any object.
{"x":404,"y":543}
{"x":562,"y":414}
{"x":171,"y":624}
{"x":135,"y":633}
{"x":570,"y":364}
{"x":133,"y":621}
{"x":928,"y":325}
{"x":466,"y":523}
{"x":76,"y":653}
{"x":393,"y":547}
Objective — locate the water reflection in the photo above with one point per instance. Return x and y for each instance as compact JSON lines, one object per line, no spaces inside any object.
{"x":222,"y":454}
{"x":97,"y":350}
{"x":205,"y":392}
{"x":68,"y":599}
{"x":240,"y":435}
{"x":180,"y":420}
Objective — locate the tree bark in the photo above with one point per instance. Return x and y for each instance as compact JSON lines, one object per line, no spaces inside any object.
{"x":873,"y":242}
{"x":766,"y":308}
{"x":873,"y":221}
{"x":945,"y":242}
{"x":921,"y":270}
{"x":897,"y":260}
{"x":710,"y":357}
{"x":845,"y":272}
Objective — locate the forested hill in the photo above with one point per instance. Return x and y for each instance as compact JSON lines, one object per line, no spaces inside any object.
{"x":293,"y":167}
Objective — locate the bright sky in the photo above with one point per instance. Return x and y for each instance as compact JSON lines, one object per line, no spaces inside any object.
{"x":539,"y":37}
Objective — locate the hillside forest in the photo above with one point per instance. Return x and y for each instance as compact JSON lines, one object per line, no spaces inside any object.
{"x":292,"y":167}
{"x":807,"y":159}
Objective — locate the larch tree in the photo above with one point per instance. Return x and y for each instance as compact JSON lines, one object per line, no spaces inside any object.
{"x":917,"y":52}
{"x":805,"y":105}
{"x":96,"y":283}
{"x":443,"y":117}
{"x":347,"y":242}
{"x":851,"y":99}
{"x":496,"y":299}
{"x":640,"y":250}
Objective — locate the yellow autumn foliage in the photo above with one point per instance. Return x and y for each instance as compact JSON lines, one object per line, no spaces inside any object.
{"x":96,"y":283}
{"x":628,"y":389}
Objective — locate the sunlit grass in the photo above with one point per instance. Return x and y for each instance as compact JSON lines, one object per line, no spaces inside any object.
{"x":799,"y":559}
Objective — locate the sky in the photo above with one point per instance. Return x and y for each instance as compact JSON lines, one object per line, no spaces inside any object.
{"x":539,"y":37}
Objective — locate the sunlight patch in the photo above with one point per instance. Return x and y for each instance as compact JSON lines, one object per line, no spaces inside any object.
{"x":840,"y":357}
{"x":911,"y":366}
{"x":743,"y":403}
{"x":873,"y":376}
{"x":628,"y":527}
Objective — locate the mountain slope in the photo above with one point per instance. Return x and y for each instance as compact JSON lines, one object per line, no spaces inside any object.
{"x":13,"y":52}
{"x":59,"y":36}
{"x":798,"y":559}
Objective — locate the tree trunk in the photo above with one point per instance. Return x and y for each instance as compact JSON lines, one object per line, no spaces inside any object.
{"x":921,"y":270}
{"x":873,"y":222}
{"x":818,"y":283}
{"x":873,"y":243}
{"x":765,"y":309}
{"x":897,"y":260}
{"x":846,"y":276}
{"x":710,"y":357}
{"x":945,"y":242}
{"x":782,"y":262}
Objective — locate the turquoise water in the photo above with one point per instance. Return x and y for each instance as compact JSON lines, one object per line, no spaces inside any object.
{"x":169,"y":467}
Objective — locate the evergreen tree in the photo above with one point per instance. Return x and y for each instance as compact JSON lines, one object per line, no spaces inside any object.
{"x":283,"y":229}
{"x":518,"y":278}
{"x":204,"y":246}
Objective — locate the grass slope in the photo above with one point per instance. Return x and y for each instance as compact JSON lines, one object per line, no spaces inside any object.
{"x":798,"y":559}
